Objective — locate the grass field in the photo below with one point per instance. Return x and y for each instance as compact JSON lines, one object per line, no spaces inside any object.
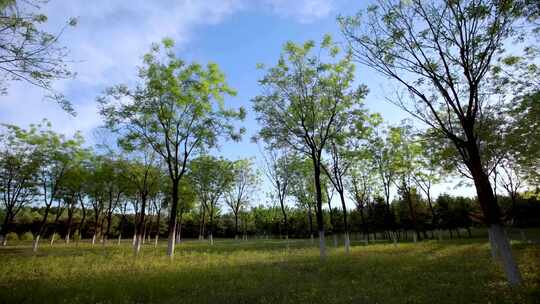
{"x":266,"y":271}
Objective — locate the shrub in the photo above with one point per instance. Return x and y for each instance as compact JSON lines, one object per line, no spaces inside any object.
{"x":27,"y":236}
{"x":12,"y":236}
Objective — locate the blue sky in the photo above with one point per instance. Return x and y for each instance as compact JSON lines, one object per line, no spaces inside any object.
{"x":111,"y":37}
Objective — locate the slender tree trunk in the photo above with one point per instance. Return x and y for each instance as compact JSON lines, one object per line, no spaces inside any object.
{"x":172,"y":219}
{"x":157,"y":227}
{"x":285,"y":222}
{"x":310,"y":219}
{"x":345,"y":222}
{"x":41,"y":228}
{"x":5,"y":227}
{"x":319,"y":211}
{"x":211,"y":227}
{"x":96,"y":226}
{"x":364,"y":224}
{"x":83,"y":218}
{"x":202,"y":223}
{"x":141,"y":225}
{"x":236,"y":225}
{"x":69,"y":221}
{"x":179,"y":227}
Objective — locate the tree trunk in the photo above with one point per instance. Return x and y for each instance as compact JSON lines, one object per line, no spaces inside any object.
{"x":68,"y":230}
{"x":211,"y":227}
{"x":364,"y":224}
{"x":83,"y":218}
{"x":157,"y":228}
{"x":5,"y":227}
{"x":41,"y":228}
{"x":310,"y":219}
{"x":318,"y":209}
{"x":35,"y":244}
{"x":141,"y":227}
{"x":322,"y":248}
{"x":202,"y":224}
{"x":285,"y":222}
{"x":179,"y":232}
{"x":172,"y":219}
{"x":500,"y":242}
{"x":236,"y":225}
{"x":345,"y":222}
{"x":492,"y":215}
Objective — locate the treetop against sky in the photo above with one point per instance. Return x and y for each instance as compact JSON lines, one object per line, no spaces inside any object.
{"x":110,"y":38}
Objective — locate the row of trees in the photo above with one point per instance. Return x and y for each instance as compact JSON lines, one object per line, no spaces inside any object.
{"x":455,"y":218}
{"x":477,"y":100}
{"x":456,"y":77}
{"x":72,"y":184}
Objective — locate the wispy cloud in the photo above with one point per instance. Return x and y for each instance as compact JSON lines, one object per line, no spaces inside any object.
{"x":110,"y":39}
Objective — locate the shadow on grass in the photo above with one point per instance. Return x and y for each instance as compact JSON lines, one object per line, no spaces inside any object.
{"x":263,"y":272}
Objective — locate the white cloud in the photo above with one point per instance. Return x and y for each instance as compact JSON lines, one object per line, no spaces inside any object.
{"x":106,"y":46}
{"x":109,"y":41}
{"x":303,"y":10}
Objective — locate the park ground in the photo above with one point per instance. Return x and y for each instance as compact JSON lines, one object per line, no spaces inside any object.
{"x":267,"y":271}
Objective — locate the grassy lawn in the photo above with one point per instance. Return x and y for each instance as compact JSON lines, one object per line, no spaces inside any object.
{"x":265,"y":271}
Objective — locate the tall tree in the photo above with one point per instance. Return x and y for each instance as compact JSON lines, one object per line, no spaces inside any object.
{"x":383,"y":149}
{"x":18,"y":169}
{"x":277,"y":171}
{"x":441,"y":52}
{"x":177,"y":109}
{"x":407,"y":157}
{"x":308,"y":97}
{"x":55,"y":155}
{"x":361,"y":184}
{"x":342,"y":150}
{"x":302,"y":187}
{"x":244,"y":182}
{"x":211,"y":178}
{"x":144,"y":175}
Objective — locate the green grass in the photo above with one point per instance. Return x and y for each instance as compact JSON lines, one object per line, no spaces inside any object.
{"x":265,"y":271}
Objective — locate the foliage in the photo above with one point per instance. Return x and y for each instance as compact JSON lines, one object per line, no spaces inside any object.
{"x":29,"y":53}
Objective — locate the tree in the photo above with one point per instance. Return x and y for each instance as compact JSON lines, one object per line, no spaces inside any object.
{"x":73,"y":189}
{"x":407,"y":156}
{"x":114,"y":186}
{"x":158,"y":202}
{"x":55,"y":155}
{"x":211,"y":178}
{"x":307,"y":99}
{"x":96,"y":194}
{"x":383,"y":149}
{"x":361,"y":184}
{"x":177,"y":109}
{"x":237,"y":197}
{"x":429,"y":171}
{"x":28,"y":53}
{"x":302,"y":187}
{"x":441,"y":52}
{"x":277,"y":171}
{"x":342,"y":150}
{"x":18,"y":169}
{"x":144,"y":175}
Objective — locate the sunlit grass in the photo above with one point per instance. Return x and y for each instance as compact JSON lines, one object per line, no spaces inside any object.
{"x":265,"y":271}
